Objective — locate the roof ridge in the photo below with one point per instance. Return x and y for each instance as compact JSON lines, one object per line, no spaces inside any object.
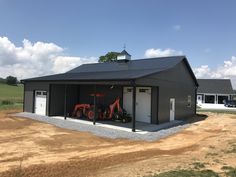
{"x":138,"y":59}
{"x":115,"y":70}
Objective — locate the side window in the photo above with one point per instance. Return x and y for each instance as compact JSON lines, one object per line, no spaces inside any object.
{"x":189,"y":101}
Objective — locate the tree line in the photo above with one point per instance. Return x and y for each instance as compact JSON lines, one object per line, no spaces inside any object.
{"x":10,"y":80}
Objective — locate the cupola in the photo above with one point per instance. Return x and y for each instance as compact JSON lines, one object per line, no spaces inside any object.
{"x":124,"y":55}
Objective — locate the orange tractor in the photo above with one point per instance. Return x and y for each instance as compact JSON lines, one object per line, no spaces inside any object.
{"x":112,"y":112}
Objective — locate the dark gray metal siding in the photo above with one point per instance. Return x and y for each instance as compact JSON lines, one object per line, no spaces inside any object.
{"x":174,"y":83}
{"x":30,"y":88}
{"x":72,"y":97}
{"x":154,"y":105}
{"x":58,"y":99}
{"x":110,"y":94}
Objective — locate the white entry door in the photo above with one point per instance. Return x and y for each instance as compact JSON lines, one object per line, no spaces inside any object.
{"x":143,"y":104}
{"x":127,"y":99}
{"x":40,"y":102}
{"x":199,"y":99}
{"x":172,"y":109}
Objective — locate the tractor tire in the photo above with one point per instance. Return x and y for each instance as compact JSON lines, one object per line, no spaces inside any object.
{"x":90,"y":115}
{"x":79,"y":114}
{"x":117,"y":117}
{"x":123,"y":120}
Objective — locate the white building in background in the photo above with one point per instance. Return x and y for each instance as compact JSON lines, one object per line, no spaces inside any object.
{"x":213,"y":92}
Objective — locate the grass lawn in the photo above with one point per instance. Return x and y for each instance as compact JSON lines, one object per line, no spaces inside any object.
{"x":11,"y":96}
{"x":227,"y":111}
{"x":228,"y":171}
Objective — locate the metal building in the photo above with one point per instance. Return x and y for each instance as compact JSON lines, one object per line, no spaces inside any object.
{"x":154,"y":90}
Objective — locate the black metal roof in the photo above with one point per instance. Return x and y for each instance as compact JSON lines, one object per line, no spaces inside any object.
{"x":118,"y":71}
{"x":215,"y":86}
{"x":158,"y":64}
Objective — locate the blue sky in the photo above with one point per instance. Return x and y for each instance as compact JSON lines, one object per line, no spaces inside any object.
{"x":204,"y":31}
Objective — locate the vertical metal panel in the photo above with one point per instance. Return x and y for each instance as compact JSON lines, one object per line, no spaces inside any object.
{"x":174,"y":83}
{"x":57,"y":100}
{"x":72,"y":97}
{"x":154,"y":105}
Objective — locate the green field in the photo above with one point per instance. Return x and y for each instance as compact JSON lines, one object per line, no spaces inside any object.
{"x":11,"y":96}
{"x":226,"y":111}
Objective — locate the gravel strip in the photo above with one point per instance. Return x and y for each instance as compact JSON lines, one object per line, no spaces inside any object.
{"x":169,"y":129}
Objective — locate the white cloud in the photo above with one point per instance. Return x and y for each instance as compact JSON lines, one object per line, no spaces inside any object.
{"x":65,"y":63}
{"x":227,"y":70}
{"x":149,"y":53}
{"x":35,"y":59}
{"x":202,"y":71}
{"x":177,"y":27}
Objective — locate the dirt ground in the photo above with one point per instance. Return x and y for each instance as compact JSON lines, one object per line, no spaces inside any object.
{"x":34,"y":149}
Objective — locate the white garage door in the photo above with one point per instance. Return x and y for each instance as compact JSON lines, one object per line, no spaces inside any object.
{"x":143,"y":103}
{"x":40,"y":102}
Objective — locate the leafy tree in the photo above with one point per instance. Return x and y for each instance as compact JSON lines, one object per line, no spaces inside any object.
{"x":10,"y":80}
{"x":109,"y":57}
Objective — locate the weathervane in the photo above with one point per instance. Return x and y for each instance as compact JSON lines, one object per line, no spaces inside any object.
{"x":124,"y":46}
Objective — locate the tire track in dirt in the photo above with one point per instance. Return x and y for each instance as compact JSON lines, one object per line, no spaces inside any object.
{"x":90,"y":166}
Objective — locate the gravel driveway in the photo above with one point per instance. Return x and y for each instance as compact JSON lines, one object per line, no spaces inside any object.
{"x":157,"y":131}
